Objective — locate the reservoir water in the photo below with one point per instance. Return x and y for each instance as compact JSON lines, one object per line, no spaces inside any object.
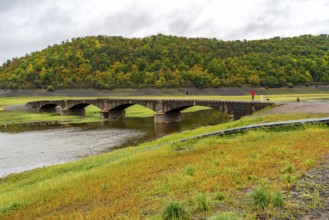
{"x":26,"y":147}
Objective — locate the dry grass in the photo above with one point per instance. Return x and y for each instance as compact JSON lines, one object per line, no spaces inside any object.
{"x":136,"y":184}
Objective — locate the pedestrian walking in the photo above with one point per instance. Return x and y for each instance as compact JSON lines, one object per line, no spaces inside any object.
{"x":252,"y":95}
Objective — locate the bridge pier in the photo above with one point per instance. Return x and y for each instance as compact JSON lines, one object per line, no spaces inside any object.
{"x":168,"y":117}
{"x":76,"y":112}
{"x":104,"y":114}
{"x":239,"y":110}
{"x":116,"y":115}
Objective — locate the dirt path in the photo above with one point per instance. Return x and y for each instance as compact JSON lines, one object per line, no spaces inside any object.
{"x":311,"y":106}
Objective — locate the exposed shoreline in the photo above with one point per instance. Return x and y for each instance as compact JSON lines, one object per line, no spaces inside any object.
{"x":222,"y":91}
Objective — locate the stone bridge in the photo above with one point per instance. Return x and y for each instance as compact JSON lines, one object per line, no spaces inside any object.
{"x":166,"y":110}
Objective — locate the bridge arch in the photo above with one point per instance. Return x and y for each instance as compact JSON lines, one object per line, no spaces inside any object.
{"x":123,"y":104}
{"x":222,"y":106}
{"x":81,"y":104}
{"x":179,"y":109}
{"x":119,"y":111}
{"x":45,"y":106}
{"x":49,"y":105}
{"x":171,"y":109}
{"x":78,"y":107}
{"x":121,"y":107}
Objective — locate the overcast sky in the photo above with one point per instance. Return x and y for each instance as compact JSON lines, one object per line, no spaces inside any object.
{"x":30,"y":25}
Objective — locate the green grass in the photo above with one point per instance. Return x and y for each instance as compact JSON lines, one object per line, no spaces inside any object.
{"x":18,"y":117}
{"x":174,"y":211}
{"x":202,"y":203}
{"x":260,"y":197}
{"x":138,"y":182}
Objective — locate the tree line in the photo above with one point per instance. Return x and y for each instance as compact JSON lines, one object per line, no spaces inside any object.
{"x":106,"y":62}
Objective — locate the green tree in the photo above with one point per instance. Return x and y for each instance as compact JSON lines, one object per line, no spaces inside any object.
{"x":217,"y":67}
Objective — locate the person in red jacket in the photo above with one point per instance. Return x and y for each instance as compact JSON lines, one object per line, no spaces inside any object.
{"x":252,"y":95}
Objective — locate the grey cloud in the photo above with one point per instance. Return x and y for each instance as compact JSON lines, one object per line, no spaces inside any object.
{"x":8,"y":5}
{"x":125,"y":22}
{"x":208,"y":28}
{"x":51,"y":15}
{"x":275,"y":12}
{"x":180,"y":25}
{"x":320,"y":25}
{"x":33,"y":25}
{"x":271,"y":19}
{"x":327,"y":3}
{"x":183,"y":22}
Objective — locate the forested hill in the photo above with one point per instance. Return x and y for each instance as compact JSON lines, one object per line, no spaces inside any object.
{"x":169,"y":61}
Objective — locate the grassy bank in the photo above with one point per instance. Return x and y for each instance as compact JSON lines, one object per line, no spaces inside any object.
{"x":200,"y":178}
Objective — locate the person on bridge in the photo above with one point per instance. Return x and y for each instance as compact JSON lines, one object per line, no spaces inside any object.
{"x":252,"y":95}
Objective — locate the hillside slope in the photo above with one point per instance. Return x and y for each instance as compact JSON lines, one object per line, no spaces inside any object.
{"x":170,"y":61}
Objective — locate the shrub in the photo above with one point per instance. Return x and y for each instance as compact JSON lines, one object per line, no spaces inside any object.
{"x":278,"y":199}
{"x":260,"y":197}
{"x":290,"y":85}
{"x":309,"y":162}
{"x":50,"y":88}
{"x":202,"y":203}
{"x":271,"y":81}
{"x":12,"y":206}
{"x":287,"y":178}
{"x":174,"y":211}
{"x":219,"y":196}
{"x":189,"y":170}
{"x":288,"y":169}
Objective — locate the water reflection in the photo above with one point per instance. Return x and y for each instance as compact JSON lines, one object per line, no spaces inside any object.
{"x":26,"y":147}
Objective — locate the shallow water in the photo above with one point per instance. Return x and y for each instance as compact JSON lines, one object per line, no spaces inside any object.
{"x":26,"y":147}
